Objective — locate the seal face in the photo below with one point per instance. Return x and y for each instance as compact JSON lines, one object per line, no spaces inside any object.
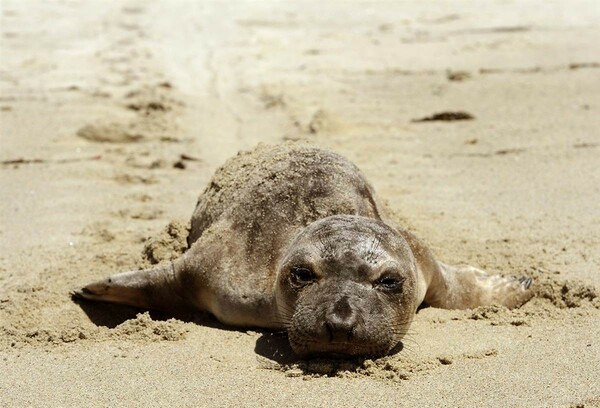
{"x":293,"y":237}
{"x":346,"y":286}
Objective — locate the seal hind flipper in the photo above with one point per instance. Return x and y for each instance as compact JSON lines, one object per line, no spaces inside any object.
{"x":467,"y":287}
{"x":154,"y":288}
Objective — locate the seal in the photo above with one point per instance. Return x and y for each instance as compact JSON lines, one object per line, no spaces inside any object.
{"x":292,"y":237}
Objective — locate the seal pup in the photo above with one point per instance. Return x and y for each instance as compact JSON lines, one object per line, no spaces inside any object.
{"x":292,"y":237}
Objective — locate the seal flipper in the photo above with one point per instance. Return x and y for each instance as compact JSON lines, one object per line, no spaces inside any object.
{"x":154,"y":288}
{"x":466,"y":287}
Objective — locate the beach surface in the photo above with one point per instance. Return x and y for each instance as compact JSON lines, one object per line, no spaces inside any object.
{"x":477,"y":122}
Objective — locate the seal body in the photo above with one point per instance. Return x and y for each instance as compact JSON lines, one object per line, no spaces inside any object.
{"x":293,"y":237}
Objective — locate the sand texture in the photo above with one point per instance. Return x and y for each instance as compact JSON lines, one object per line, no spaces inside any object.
{"x":477,"y":123}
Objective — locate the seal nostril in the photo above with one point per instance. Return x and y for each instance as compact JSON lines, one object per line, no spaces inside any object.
{"x":339,"y":329}
{"x":351,"y":332}
{"x":340,"y":321}
{"x":342,"y":309}
{"x":330,"y":330}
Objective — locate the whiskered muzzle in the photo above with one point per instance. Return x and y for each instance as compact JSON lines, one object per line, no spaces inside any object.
{"x":343,"y":330}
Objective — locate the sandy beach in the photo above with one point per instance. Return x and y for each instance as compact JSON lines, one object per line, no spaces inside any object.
{"x":477,"y":122}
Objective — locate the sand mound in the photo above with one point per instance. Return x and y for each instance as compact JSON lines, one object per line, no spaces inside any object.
{"x":169,"y":244}
{"x":567,"y":294}
{"x":390,"y":368}
{"x":141,"y":328}
{"x":146,"y":329}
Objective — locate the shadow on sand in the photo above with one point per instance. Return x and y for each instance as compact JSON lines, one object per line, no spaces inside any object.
{"x":273,"y":346}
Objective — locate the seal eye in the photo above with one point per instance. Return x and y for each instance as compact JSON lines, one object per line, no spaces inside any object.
{"x":301,"y":276}
{"x":389,"y":283}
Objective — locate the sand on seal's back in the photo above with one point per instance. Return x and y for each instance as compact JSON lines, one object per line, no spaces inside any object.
{"x":282,"y":186}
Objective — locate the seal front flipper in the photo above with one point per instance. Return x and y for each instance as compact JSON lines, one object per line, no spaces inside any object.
{"x":466,"y":287}
{"x":154,"y":288}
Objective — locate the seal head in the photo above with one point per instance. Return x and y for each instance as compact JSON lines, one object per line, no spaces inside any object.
{"x":346,"y":285}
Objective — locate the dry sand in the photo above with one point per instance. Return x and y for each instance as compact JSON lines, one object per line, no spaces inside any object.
{"x":114,"y":116}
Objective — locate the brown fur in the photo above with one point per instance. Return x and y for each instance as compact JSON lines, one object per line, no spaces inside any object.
{"x":268,"y":211}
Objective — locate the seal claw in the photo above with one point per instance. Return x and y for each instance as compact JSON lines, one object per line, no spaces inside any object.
{"x":83,"y":293}
{"x":76,"y":294}
{"x":525,"y":281}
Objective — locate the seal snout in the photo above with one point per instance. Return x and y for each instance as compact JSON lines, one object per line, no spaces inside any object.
{"x":340,"y":322}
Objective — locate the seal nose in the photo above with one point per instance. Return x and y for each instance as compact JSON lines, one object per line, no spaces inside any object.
{"x":341,"y":321}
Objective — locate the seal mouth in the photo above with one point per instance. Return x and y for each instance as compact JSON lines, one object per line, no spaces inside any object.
{"x":343,"y":355}
{"x":332,"y":355}
{"x":342,"y":350}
